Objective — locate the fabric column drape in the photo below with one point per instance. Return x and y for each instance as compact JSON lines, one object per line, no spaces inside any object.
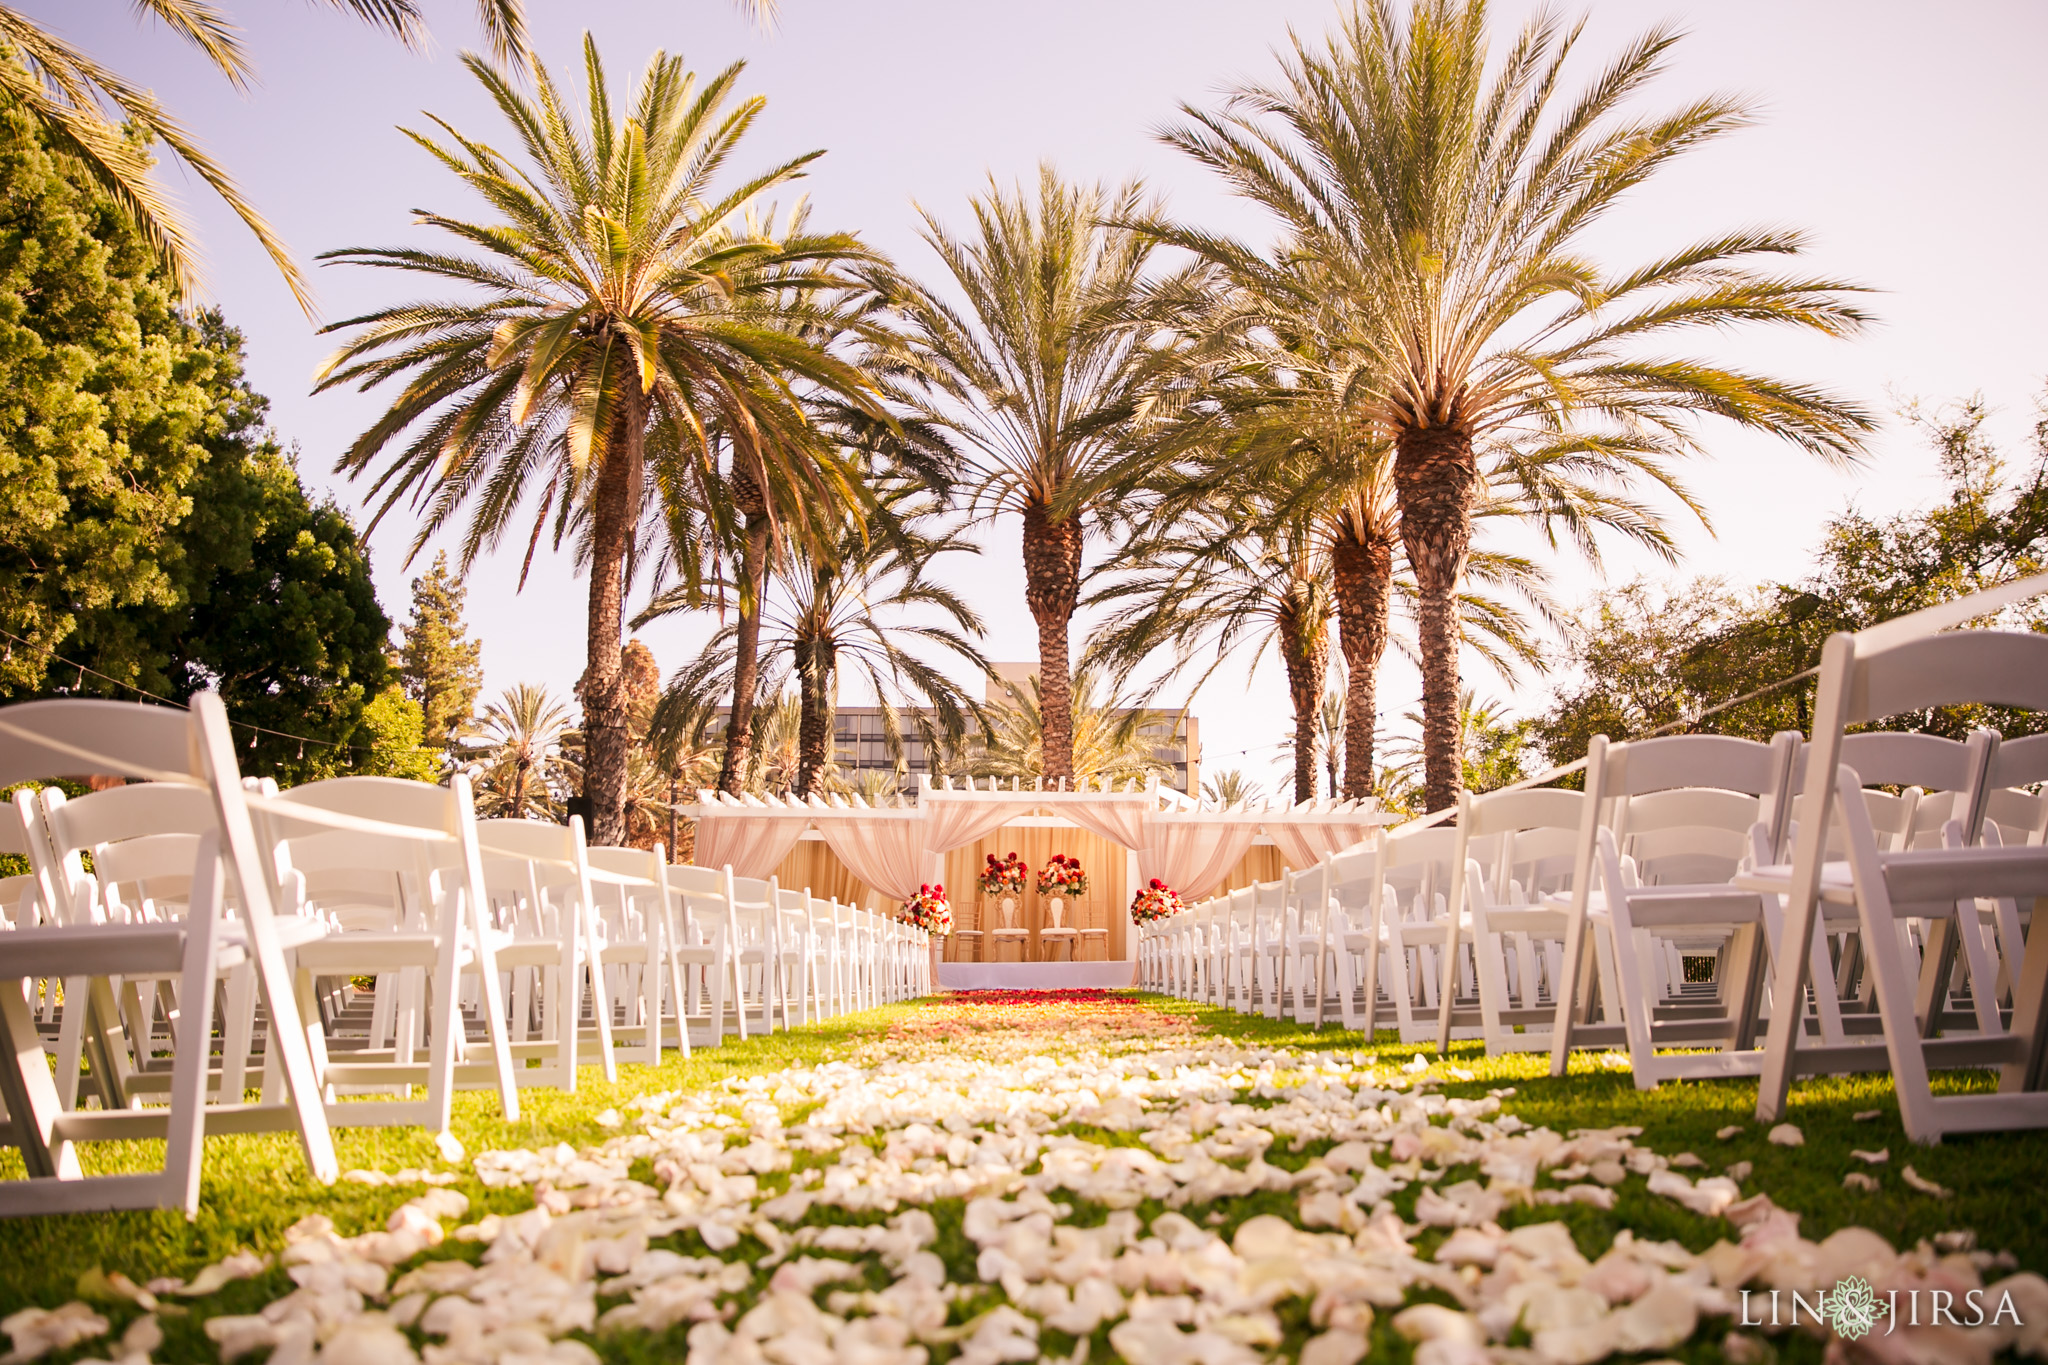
{"x":1304,"y":845}
{"x":1121,"y":822}
{"x":754,"y":844}
{"x":954,"y":822}
{"x":885,"y":852}
{"x":1194,"y":856}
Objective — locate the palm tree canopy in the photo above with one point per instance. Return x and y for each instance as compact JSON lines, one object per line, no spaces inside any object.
{"x":618,"y":276}
{"x":1044,"y":371}
{"x":516,"y":754}
{"x":1109,"y":738}
{"x":1448,"y":208}
{"x":859,"y":608}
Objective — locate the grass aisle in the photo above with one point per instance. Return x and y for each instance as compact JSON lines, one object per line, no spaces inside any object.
{"x":868,"y":1117}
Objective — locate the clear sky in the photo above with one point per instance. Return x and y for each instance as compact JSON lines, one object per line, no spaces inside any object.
{"x":1906,"y":138}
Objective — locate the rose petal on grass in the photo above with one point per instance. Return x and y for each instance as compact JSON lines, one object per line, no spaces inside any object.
{"x":1786,"y":1135}
{"x":1922,"y":1183}
{"x":1857,"y":1180}
{"x":1876,"y":1158}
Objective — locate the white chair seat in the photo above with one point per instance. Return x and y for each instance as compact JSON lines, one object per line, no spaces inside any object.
{"x":58,"y":950}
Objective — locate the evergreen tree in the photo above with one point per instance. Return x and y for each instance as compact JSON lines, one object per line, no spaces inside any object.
{"x":440,"y":666}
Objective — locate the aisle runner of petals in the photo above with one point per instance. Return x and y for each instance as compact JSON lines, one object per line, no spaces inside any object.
{"x":790,"y":1221}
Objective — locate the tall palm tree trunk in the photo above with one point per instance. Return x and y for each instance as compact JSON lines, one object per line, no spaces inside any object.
{"x":746,"y":664}
{"x":1435,"y":477}
{"x":1363,"y":565}
{"x":1052,"y":589}
{"x":1305,"y":652}
{"x":814,"y":723}
{"x":615,"y":508}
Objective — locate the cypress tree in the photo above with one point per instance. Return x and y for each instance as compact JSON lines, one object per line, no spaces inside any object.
{"x":441,"y":667}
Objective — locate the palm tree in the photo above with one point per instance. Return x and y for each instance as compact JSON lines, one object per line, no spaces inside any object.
{"x":1213,"y":584}
{"x":1232,"y":788}
{"x":516,"y":758}
{"x":1109,"y":738}
{"x":841,"y":613}
{"x":1043,"y":376}
{"x":615,"y":295}
{"x":1447,"y":214}
{"x":676,"y":739}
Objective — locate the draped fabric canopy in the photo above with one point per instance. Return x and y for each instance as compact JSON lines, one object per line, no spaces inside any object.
{"x":1306,"y":843}
{"x":884,"y":849}
{"x":1191,"y":849}
{"x":1119,"y":819}
{"x":955,"y":820}
{"x":1194,"y":853}
{"x":752,"y":839}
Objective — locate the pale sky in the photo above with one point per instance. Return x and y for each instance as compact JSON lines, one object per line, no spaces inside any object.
{"x":1905,"y":138}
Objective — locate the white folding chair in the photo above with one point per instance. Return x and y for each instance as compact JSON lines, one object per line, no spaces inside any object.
{"x":426,"y":837}
{"x":631,"y":887}
{"x":1502,"y":917}
{"x":1866,"y":677}
{"x":1684,"y":808}
{"x":189,"y":748}
{"x":705,"y":936}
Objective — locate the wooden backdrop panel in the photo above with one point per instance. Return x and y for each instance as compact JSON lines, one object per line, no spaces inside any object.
{"x":1104,"y":907}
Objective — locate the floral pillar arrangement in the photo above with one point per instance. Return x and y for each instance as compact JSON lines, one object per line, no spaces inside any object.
{"x":1003,"y":879}
{"x":930,"y":911}
{"x":1060,"y":879}
{"x":1155,"y":902}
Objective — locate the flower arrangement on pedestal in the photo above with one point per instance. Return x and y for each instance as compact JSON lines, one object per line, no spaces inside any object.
{"x":1003,"y":876}
{"x":930,"y":911}
{"x":1155,"y":902}
{"x":1062,"y":877}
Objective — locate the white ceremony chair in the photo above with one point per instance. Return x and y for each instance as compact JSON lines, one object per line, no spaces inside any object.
{"x":193,"y":748}
{"x":1684,"y":809}
{"x":1503,"y":915}
{"x":757,"y":953}
{"x":549,"y":942}
{"x":1883,"y":672}
{"x":705,"y":933}
{"x":1408,"y":896}
{"x":632,"y":897}
{"x":425,"y":837}
{"x":1353,"y":939}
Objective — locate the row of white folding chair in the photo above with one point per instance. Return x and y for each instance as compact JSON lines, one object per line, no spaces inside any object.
{"x":1864,"y":678}
{"x":193,"y":943}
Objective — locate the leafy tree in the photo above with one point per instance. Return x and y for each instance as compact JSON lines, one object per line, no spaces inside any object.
{"x":1445,"y":213}
{"x":280,"y":616}
{"x":610,"y":299}
{"x":1647,"y":658}
{"x":394,"y":726}
{"x":150,"y":527}
{"x":440,"y":666}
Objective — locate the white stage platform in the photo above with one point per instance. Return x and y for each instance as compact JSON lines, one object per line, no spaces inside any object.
{"x":1036,"y":976}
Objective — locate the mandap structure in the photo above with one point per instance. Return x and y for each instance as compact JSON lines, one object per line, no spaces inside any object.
{"x":942,"y":833}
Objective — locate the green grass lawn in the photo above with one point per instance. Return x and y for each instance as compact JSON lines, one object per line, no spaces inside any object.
{"x":256,"y":1186}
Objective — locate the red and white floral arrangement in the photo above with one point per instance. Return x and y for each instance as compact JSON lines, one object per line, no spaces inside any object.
{"x":930,"y":911}
{"x":1062,"y":877}
{"x":1155,"y":902}
{"x":1003,"y":876}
